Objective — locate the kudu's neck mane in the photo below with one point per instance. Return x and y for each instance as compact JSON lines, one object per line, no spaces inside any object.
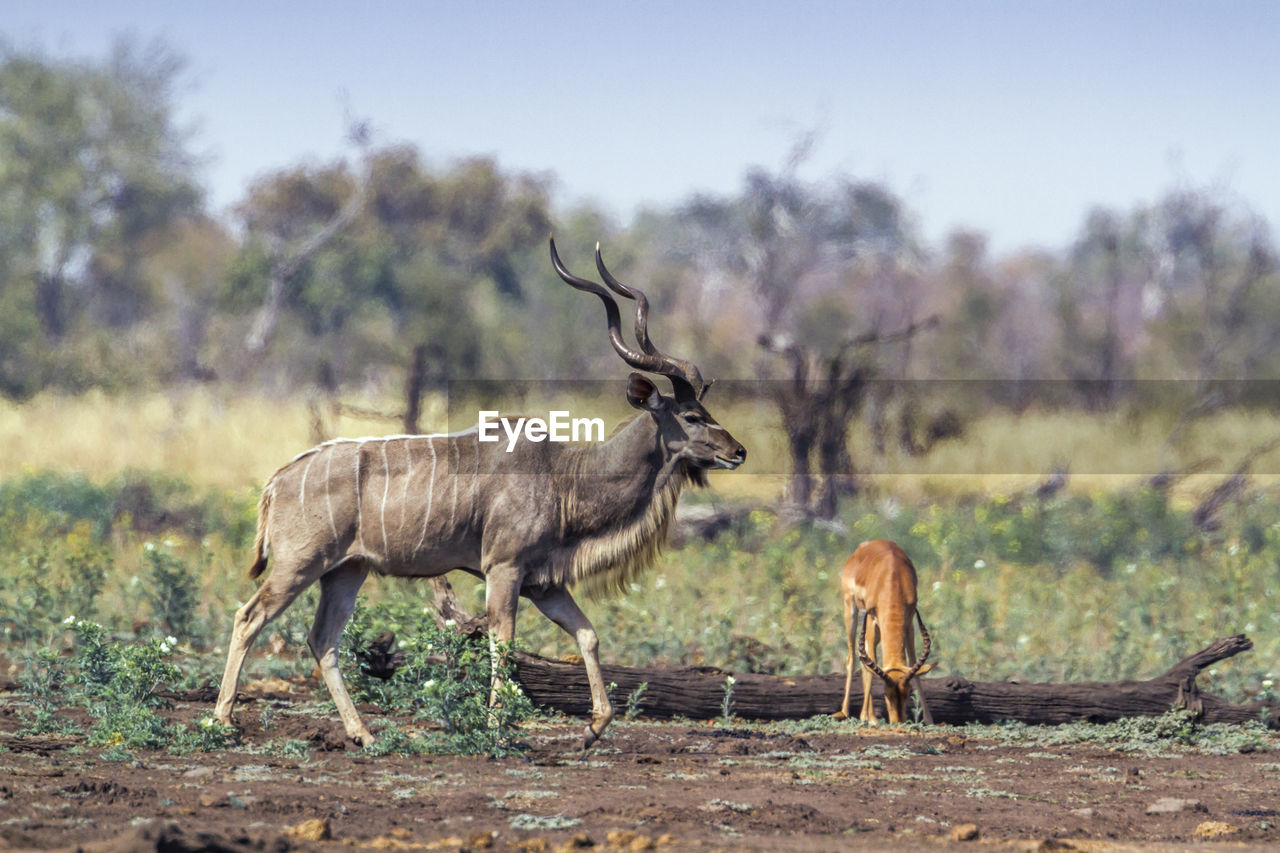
{"x":618,"y":499}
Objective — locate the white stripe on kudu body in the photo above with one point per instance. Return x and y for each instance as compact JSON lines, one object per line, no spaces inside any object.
{"x":431,"y":488}
{"x":408,"y":477}
{"x":453,"y":504}
{"x":328,"y":493}
{"x":536,"y":518}
{"x":359,"y":501}
{"x":302,"y":489}
{"x":386,"y":490}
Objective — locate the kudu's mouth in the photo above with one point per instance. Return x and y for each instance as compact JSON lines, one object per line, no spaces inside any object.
{"x":730,"y":462}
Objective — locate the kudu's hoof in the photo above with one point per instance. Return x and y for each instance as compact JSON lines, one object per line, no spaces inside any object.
{"x":362,"y":738}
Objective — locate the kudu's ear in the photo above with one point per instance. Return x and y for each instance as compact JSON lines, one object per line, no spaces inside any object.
{"x":642,"y":393}
{"x":705,"y":388}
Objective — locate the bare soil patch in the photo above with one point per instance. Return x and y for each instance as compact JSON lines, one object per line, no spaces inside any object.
{"x":296,"y":784}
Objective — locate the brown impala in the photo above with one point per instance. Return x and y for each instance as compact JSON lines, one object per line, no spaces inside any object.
{"x":531,"y":522}
{"x":880,"y":580}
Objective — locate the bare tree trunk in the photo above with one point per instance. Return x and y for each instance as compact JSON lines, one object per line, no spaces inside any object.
{"x":285,"y":265}
{"x":51,"y":305}
{"x":835,"y":465}
{"x":449,"y":614}
{"x":800,"y":484}
{"x":698,"y":693}
{"x":818,"y":401}
{"x":413,"y":389}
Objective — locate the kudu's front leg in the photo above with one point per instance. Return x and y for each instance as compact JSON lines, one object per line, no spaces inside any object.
{"x":558,"y":606}
{"x":501,"y":598}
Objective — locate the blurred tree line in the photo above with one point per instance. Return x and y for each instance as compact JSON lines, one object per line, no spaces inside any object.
{"x":383,"y":272}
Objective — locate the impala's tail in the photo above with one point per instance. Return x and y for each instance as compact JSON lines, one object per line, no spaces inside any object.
{"x":260,"y":543}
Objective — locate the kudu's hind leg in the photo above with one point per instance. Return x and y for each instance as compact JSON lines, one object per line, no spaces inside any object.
{"x":559,"y":606}
{"x":338,"y":591}
{"x":279,"y":590}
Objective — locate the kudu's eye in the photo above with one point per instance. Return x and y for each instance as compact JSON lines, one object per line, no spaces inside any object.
{"x":692,"y":418}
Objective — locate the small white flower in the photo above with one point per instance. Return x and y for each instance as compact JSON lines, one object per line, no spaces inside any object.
{"x":979,"y":564}
{"x":171,"y":641}
{"x":729,"y":679}
{"x":937,"y":585}
{"x":70,"y":620}
{"x":149,"y":546}
{"x":1268,"y":683}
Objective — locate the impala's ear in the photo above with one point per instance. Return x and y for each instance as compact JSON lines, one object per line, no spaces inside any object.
{"x":922,"y":670}
{"x":642,"y":393}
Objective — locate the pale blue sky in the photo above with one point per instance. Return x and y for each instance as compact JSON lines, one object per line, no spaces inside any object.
{"x":1010,"y":117}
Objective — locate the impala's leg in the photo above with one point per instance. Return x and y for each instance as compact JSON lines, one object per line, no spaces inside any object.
{"x":850,"y":661}
{"x":558,"y":606}
{"x":925,"y":716}
{"x":868,"y":712}
{"x":279,"y":590}
{"x":338,"y":591}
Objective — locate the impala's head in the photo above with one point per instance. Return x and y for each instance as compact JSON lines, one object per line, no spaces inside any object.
{"x":897,"y":688}
{"x":687,"y":429}
{"x":897,"y":679}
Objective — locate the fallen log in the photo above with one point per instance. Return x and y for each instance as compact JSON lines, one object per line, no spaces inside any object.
{"x":698,"y":692}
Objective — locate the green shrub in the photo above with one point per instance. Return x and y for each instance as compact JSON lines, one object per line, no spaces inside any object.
{"x":146,"y":502}
{"x":206,"y":735}
{"x":60,"y":500}
{"x":45,"y":577}
{"x":44,"y":680}
{"x":172,"y":590}
{"x":122,"y":674}
{"x":444,"y":678}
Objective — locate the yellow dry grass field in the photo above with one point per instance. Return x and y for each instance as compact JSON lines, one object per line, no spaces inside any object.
{"x":235,"y":442}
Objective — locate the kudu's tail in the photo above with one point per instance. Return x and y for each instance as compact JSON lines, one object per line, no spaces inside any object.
{"x":260,"y":543}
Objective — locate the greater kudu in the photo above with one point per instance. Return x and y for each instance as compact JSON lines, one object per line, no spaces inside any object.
{"x":531,"y":522}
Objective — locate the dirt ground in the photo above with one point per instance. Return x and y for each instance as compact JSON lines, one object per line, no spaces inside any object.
{"x":647,"y":785}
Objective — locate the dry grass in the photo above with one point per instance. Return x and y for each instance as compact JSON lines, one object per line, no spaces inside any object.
{"x":236,"y":442}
